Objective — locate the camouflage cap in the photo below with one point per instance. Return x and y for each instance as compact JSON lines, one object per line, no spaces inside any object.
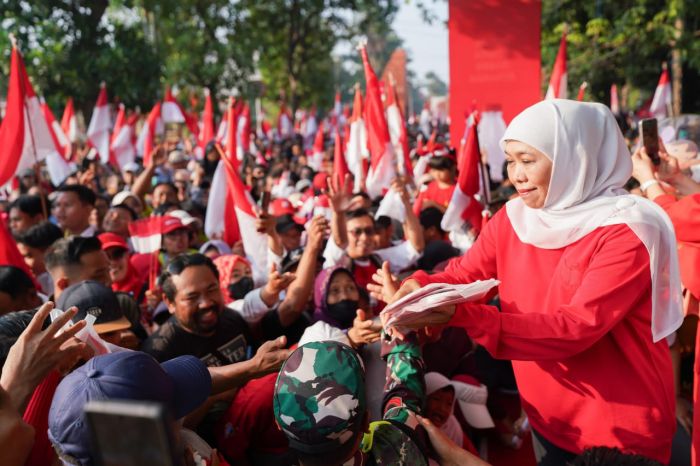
{"x":319,"y":400}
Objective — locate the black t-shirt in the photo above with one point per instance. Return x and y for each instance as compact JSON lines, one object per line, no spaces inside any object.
{"x":230,"y":343}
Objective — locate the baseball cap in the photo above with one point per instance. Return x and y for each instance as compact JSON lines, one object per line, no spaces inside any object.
{"x":319,"y":400}
{"x":177,"y":156}
{"x":171,"y":224}
{"x":281,"y":206}
{"x":185,"y":217}
{"x":121,"y":197}
{"x":471,"y":397}
{"x":112,"y":240}
{"x":320,"y":182}
{"x":286,"y":223}
{"x":181,"y":384}
{"x":91,"y":297}
{"x":132,"y":167}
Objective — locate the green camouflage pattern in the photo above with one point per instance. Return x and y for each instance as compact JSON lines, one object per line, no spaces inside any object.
{"x":320,"y":394}
{"x":320,"y":398}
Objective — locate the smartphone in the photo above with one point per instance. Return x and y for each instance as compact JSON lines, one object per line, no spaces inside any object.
{"x":265,"y":201}
{"x":650,"y":138}
{"x":132,"y":433}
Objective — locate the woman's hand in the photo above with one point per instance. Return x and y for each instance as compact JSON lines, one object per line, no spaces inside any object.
{"x":339,"y":194}
{"x":363,"y":331}
{"x":642,"y":166}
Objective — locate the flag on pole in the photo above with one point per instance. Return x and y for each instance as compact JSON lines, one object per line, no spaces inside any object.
{"x":171,"y":111}
{"x":317,"y":151}
{"x":232,"y":131}
{"x":147,"y":137}
{"x":582,"y":91}
{"x":25,"y":138}
{"x":357,"y":152}
{"x":463,"y":207}
{"x":69,"y":122}
{"x":397,"y":131}
{"x":10,"y":255}
{"x":662,"y":96}
{"x":146,"y":238}
{"x":206,"y":133}
{"x":56,"y":165}
{"x":243,"y":132}
{"x":382,"y":169}
{"x":100,"y":125}
{"x":122,"y":146}
{"x":340,"y":165}
{"x":614,"y":100}
{"x":557,"y":82}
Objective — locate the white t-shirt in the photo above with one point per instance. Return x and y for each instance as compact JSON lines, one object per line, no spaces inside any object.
{"x":400,"y":257}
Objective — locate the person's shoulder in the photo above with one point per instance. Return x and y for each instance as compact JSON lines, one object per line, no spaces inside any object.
{"x":163,"y":340}
{"x":232,"y":319}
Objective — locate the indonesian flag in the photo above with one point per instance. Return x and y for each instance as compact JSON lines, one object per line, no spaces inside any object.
{"x":581,"y":91}
{"x":221,"y":130}
{"x":382,"y":170}
{"x":69,"y":122}
{"x":171,"y":111}
{"x":340,"y":165}
{"x":357,"y":151}
{"x":316,"y":159}
{"x":285,"y":127}
{"x":231,"y":147}
{"x":10,"y":255}
{"x":232,"y":217}
{"x":614,"y":100}
{"x":397,"y":131}
{"x":146,"y":238}
{"x":206,"y":133}
{"x":147,"y":137}
{"x":463,"y":206}
{"x":122,"y":146}
{"x":57,"y":166}
{"x":662,"y":96}
{"x":25,"y":138}
{"x":557,"y":83}
{"x":100,"y":125}
{"x":243,"y":132}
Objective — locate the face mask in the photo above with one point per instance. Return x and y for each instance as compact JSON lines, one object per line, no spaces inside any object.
{"x":238,"y":290}
{"x":343,"y":312}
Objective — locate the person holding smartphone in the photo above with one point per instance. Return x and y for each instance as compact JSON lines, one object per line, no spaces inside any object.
{"x":589,"y":291}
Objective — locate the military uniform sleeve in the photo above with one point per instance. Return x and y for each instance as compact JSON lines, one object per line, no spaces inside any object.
{"x":404,"y":390}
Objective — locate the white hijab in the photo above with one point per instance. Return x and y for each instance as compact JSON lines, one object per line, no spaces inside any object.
{"x":590,"y":166}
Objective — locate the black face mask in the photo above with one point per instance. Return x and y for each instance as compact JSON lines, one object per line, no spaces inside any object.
{"x":238,"y":290}
{"x":343,"y":312}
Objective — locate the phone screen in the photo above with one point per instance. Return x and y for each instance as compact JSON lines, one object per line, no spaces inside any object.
{"x":130,"y":433}
{"x":650,"y":138}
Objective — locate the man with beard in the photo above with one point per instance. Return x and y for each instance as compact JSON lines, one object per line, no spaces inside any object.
{"x":200,"y":324}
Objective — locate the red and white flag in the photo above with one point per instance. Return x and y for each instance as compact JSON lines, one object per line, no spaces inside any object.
{"x":317,"y":151}
{"x":243,"y":132}
{"x":10,"y":255}
{"x":463,"y":207}
{"x":582,"y":91}
{"x":25,"y":138}
{"x":614,"y":100}
{"x":382,"y":169}
{"x":69,"y":122}
{"x":557,"y":82}
{"x":100,"y":125}
{"x":123,"y":144}
{"x":398,"y":133}
{"x":340,"y":165}
{"x":285,"y":127}
{"x":171,"y":111}
{"x":357,"y":152}
{"x":662,"y":96}
{"x":231,"y":147}
{"x":56,"y":165}
{"x":146,"y":234}
{"x":153,"y":127}
{"x":206,"y":133}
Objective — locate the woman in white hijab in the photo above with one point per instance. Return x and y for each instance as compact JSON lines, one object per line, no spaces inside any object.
{"x":589,"y":288}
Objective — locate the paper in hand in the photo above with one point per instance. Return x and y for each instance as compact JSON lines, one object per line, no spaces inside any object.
{"x":423,"y":301}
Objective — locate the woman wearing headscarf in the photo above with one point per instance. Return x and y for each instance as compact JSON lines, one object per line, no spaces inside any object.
{"x":589,"y":288}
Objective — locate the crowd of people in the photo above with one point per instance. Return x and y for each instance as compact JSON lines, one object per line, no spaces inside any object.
{"x":590,"y":240}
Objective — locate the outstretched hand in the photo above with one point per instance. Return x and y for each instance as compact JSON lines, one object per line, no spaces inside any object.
{"x":270,"y":356}
{"x":449,"y":453}
{"x":37,"y":352}
{"x":384,"y":285}
{"x":339,"y":193}
{"x":363,"y":330}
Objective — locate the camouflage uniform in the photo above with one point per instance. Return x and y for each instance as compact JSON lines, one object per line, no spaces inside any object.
{"x":320,"y":403}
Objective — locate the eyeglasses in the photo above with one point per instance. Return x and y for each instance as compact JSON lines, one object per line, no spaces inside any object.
{"x":358,"y":231}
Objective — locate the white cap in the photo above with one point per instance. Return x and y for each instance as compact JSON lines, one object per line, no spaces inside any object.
{"x":185,"y":217}
{"x":472,"y":402}
{"x":122,"y":196}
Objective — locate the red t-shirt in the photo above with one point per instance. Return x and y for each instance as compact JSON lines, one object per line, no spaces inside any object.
{"x":576,"y":322}
{"x":435,"y":193}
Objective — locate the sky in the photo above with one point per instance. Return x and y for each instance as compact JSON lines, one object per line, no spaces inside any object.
{"x":426,"y":44}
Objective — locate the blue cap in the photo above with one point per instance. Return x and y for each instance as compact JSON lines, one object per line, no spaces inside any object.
{"x":181,"y":384}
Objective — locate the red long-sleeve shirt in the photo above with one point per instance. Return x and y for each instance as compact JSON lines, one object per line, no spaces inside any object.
{"x":576,"y":322}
